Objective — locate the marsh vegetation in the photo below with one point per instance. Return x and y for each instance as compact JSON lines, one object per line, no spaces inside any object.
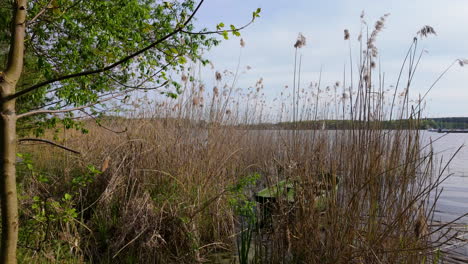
{"x":176,"y":178}
{"x":177,"y":184}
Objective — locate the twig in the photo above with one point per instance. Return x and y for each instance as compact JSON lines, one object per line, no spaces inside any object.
{"x":131,"y":241}
{"x":48,"y":142}
{"x":40,"y":13}
{"x":66,"y":110}
{"x":100,"y":125}
{"x":137,"y":87}
{"x":218,"y":31}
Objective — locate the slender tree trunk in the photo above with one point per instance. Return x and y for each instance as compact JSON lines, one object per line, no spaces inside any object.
{"x":8,"y":81}
{"x":8,"y":195}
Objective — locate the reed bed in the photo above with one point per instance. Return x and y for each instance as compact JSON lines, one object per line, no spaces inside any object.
{"x":174,"y":181}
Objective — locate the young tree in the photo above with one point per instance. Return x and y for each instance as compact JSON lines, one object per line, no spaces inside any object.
{"x":68,"y":55}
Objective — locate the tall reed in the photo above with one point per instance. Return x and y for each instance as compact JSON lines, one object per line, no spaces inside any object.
{"x":362,"y":195}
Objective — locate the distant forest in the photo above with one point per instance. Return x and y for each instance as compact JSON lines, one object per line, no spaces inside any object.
{"x":443,"y":122}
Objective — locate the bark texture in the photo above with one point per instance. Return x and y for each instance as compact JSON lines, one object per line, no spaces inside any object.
{"x":9,"y":200}
{"x":8,"y":81}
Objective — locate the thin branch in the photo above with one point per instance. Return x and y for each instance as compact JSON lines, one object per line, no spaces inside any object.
{"x":144,"y":88}
{"x":40,"y":13}
{"x":46,"y":105}
{"x":109,"y":67}
{"x":65,"y":110}
{"x":48,"y":142}
{"x":137,"y":87}
{"x":218,"y":31}
{"x":131,"y":241}
{"x":73,"y":5}
{"x":100,"y":125}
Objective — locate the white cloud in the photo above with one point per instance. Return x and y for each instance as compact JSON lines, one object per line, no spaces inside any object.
{"x":270,"y":53}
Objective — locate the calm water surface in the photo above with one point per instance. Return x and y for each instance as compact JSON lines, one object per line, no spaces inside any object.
{"x":454,"y":199}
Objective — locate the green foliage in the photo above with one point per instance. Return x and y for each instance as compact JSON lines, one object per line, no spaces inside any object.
{"x":83,"y":180}
{"x":68,"y":37}
{"x":437,"y":257}
{"x":225,"y":34}
{"x":238,"y":198}
{"x":65,"y":37}
{"x":244,"y":182}
{"x":256,"y":13}
{"x":46,"y":212}
{"x":26,"y":163}
{"x":220,"y":26}
{"x":245,"y":208}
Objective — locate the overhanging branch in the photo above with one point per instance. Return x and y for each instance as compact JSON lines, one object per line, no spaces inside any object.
{"x":48,"y":142}
{"x":44,"y":111}
{"x":100,"y":125}
{"x":109,"y":67}
{"x":139,"y":86}
{"x":218,"y":31}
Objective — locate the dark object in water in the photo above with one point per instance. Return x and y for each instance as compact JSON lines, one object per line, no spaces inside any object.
{"x":268,"y":201}
{"x":285,"y":191}
{"x":274,"y":192}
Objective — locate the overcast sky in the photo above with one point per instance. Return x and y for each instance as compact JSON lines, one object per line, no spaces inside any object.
{"x":269,"y":43}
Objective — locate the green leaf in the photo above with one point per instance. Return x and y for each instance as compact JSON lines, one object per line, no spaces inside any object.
{"x":225,"y":35}
{"x":173,"y":50}
{"x":67,"y":197}
{"x":172,"y":95}
{"x":256,"y":13}
{"x":182,"y":60}
{"x":220,"y":26}
{"x":42,"y":178}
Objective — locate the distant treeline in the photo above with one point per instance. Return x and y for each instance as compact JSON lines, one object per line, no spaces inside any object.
{"x":444,"y":123}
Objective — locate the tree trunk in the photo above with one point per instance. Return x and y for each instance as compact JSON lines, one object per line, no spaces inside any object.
{"x":8,"y":81}
{"x":8,"y":194}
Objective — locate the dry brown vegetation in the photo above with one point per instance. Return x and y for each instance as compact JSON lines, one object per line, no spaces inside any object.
{"x":167,"y":192}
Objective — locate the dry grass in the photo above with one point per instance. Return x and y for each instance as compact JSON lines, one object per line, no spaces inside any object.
{"x":165,"y":195}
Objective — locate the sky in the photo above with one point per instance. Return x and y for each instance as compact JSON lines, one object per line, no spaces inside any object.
{"x":270,"y":54}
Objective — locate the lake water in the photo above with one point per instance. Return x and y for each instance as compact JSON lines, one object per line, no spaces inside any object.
{"x":453,"y":201}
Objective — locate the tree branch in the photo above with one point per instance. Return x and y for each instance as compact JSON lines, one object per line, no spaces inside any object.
{"x":137,"y":87}
{"x":109,"y":67}
{"x":100,"y":125}
{"x":46,"y":105}
{"x":44,"y":111}
{"x":40,"y":13}
{"x":16,"y":53}
{"x":218,"y":31}
{"x":48,"y":142}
